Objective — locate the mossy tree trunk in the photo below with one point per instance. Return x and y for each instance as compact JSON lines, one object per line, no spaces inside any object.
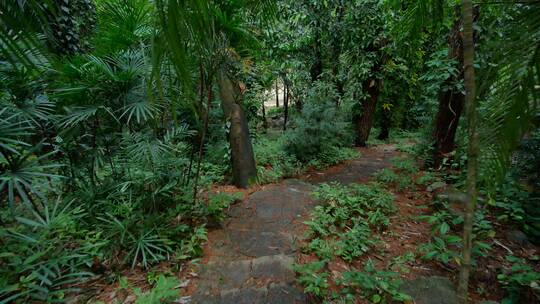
{"x":472,"y":152}
{"x":244,"y":170}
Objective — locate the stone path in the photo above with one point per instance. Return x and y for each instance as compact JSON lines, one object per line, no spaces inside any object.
{"x":250,"y":260}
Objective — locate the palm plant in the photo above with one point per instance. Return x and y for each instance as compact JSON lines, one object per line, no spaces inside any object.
{"x":219,"y":33}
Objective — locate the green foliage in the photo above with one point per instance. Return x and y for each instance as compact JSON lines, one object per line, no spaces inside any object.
{"x":41,"y":254}
{"x":164,"y":290}
{"x":427,"y":178}
{"x":333,"y":156}
{"x":512,"y":203}
{"x":402,"y":181}
{"x":313,"y":278}
{"x":343,"y":227}
{"x":320,"y":127}
{"x":387,"y":176}
{"x":405,"y":165}
{"x":218,"y":202}
{"x":372,"y":284}
{"x":273,"y":162}
{"x":399,"y":263}
{"x":444,"y":245}
{"x":521,"y":282}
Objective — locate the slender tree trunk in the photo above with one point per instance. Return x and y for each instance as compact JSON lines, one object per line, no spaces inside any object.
{"x":336,"y":53}
{"x":364,"y":121}
{"x":285,"y":104}
{"x":472,"y":153}
{"x":244,"y":169}
{"x":451,"y":102}
{"x":317,"y":67}
{"x":277,"y":94}
{"x":203,"y":136}
{"x":265,"y":123}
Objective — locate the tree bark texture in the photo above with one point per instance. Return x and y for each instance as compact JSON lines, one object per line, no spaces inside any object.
{"x":244,"y":170}
{"x":472,"y":149}
{"x":364,"y":121}
{"x":451,"y":102}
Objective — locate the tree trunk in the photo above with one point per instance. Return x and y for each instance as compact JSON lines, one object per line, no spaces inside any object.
{"x":317,"y":67}
{"x":244,"y":169}
{"x":450,"y":102}
{"x":277,"y":94}
{"x":285,"y":104}
{"x":386,"y":120}
{"x":265,"y":123}
{"x":364,"y":121}
{"x":336,"y":53}
{"x":472,"y":153}
{"x":209,"y":99}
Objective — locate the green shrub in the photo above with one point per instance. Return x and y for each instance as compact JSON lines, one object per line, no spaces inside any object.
{"x":164,"y":290}
{"x":41,"y":254}
{"x":320,"y":127}
{"x":218,"y":202}
{"x":522,"y":283}
{"x":313,"y":278}
{"x":343,"y":226}
{"x":386,"y":175}
{"x":372,"y":284}
{"x":273,"y":162}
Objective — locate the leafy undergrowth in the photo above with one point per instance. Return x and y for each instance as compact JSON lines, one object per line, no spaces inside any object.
{"x":363,"y":241}
{"x":342,"y":230}
{"x":274,"y":163}
{"x":52,"y":256}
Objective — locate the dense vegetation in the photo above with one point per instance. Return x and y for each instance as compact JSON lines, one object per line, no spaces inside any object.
{"x":118,"y":117}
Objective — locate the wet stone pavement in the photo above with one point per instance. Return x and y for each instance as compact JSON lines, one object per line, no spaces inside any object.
{"x":250,"y":260}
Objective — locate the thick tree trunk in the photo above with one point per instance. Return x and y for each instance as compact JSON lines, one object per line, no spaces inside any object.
{"x":244,"y":169}
{"x":472,"y":153}
{"x":450,"y":102}
{"x":364,"y":121}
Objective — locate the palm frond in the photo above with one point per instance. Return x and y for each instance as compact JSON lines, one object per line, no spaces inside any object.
{"x":139,"y":107}
{"x":24,"y":26}
{"x":20,"y":172}
{"x":417,"y":15}
{"x":12,"y":130}
{"x":513,"y":96}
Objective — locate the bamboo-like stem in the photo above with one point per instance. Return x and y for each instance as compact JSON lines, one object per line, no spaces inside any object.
{"x":472,"y":153}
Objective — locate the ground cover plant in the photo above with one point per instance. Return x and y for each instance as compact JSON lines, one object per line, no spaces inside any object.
{"x":133,"y":132}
